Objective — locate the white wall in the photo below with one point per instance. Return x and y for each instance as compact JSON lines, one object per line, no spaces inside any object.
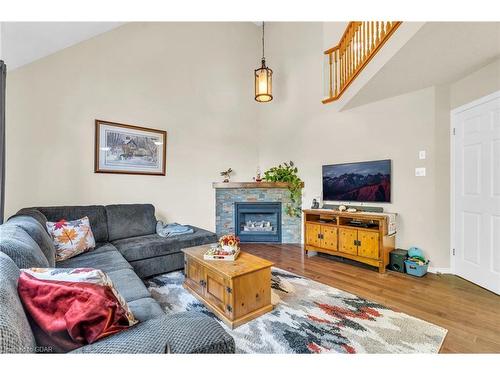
{"x":298,"y":127}
{"x":1,"y":50}
{"x":476,"y":85}
{"x":194,"y":80}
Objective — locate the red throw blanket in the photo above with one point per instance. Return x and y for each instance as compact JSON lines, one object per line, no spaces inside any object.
{"x":67,"y":315}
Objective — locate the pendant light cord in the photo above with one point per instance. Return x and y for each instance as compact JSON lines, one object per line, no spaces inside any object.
{"x":263,"y":27}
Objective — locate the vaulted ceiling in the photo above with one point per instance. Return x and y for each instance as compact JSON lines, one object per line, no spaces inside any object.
{"x":25,"y":42}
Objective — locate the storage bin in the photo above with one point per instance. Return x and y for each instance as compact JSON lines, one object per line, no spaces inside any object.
{"x":414,"y":269}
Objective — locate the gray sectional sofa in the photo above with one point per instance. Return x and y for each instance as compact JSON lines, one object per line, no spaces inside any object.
{"x":127,"y":249}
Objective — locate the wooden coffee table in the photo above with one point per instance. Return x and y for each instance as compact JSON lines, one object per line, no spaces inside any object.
{"x":236,"y":291}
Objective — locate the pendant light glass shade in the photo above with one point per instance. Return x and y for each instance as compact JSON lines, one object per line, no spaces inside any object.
{"x":263,"y":83}
{"x":263,"y":78}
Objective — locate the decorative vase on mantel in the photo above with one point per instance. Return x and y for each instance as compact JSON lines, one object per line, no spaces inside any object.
{"x":258,"y":177}
{"x":226,"y":175}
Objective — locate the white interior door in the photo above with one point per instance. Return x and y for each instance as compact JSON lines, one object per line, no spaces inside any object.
{"x":476,"y":198}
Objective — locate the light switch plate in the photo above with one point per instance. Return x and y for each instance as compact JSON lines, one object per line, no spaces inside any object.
{"x":420,"y":172}
{"x":421,"y":155}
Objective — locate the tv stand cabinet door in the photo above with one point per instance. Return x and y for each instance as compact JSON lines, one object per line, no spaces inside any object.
{"x":368,"y":244}
{"x":348,"y":241}
{"x":329,"y":238}
{"x":313,"y":232}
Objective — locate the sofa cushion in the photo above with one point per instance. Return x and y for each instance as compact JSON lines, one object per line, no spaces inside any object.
{"x":153,"y":245}
{"x":187,"y":332}
{"x":96,"y":215}
{"x":154,"y":266}
{"x":130,"y":220}
{"x":15,"y":332}
{"x":102,"y":247}
{"x":128,"y":284}
{"x":20,"y":247}
{"x":38,"y":233}
{"x":145,"y":309}
{"x":34,"y":213}
{"x":107,"y":261}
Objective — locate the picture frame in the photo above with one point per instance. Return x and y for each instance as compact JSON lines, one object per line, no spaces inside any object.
{"x":129,"y":149}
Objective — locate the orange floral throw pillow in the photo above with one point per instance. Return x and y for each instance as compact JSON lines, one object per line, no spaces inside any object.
{"x":71,"y":237}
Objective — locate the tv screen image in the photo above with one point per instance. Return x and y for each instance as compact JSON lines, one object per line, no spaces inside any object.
{"x":368,"y":181}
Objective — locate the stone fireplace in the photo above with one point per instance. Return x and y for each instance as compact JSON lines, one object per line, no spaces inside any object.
{"x":255,"y":211}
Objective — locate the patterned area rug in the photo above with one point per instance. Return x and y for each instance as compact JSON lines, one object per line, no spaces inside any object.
{"x":310,"y":317}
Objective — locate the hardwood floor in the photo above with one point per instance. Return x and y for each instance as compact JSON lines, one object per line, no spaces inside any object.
{"x":470,"y":313}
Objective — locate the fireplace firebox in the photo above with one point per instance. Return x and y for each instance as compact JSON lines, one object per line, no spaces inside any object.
{"x":258,"y":221}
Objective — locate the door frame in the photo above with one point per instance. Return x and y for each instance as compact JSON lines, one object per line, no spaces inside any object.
{"x":453,"y":120}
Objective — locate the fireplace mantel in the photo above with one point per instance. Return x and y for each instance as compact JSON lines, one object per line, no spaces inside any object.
{"x":251,"y":185}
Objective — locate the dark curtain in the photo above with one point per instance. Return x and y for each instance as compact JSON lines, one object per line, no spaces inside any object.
{"x":3,"y":72}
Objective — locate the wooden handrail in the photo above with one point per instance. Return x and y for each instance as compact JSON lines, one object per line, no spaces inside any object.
{"x":357,"y":46}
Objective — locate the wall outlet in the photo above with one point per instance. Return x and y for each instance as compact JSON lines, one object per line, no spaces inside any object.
{"x":421,"y":155}
{"x":420,"y":172}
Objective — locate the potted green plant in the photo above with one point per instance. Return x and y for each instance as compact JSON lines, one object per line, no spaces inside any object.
{"x":288,"y":173}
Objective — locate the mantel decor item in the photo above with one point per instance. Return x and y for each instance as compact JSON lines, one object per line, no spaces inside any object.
{"x":129,"y":149}
{"x":263,"y":78}
{"x":258,"y":176}
{"x":288,"y":173}
{"x":226,"y":174}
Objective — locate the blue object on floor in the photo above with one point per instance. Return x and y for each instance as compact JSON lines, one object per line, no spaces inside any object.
{"x":174,"y":229}
{"x":415,"y":252}
{"x":414,"y":269}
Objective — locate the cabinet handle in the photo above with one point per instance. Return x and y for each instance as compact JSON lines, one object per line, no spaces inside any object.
{"x":203,"y":283}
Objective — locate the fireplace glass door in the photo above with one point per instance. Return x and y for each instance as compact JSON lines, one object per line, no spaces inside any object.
{"x":258,"y":221}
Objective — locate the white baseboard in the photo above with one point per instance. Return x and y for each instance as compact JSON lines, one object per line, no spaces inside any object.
{"x":439,"y":270}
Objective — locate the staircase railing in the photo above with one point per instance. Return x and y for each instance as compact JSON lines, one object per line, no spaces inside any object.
{"x":360,"y":42}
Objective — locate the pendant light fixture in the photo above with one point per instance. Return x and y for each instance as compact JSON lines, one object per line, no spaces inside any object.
{"x":263,"y":78}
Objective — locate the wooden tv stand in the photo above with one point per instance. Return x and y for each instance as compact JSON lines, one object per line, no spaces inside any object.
{"x":330,"y":232}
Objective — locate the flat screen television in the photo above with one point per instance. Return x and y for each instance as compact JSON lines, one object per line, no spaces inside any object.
{"x":368,"y":181}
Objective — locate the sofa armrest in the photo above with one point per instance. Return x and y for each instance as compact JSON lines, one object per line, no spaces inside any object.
{"x":186,"y":332}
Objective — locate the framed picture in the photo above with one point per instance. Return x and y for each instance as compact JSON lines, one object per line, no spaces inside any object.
{"x":129,"y":149}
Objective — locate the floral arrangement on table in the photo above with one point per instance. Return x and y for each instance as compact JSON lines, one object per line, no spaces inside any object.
{"x":228,"y":248}
{"x":229,"y":242}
